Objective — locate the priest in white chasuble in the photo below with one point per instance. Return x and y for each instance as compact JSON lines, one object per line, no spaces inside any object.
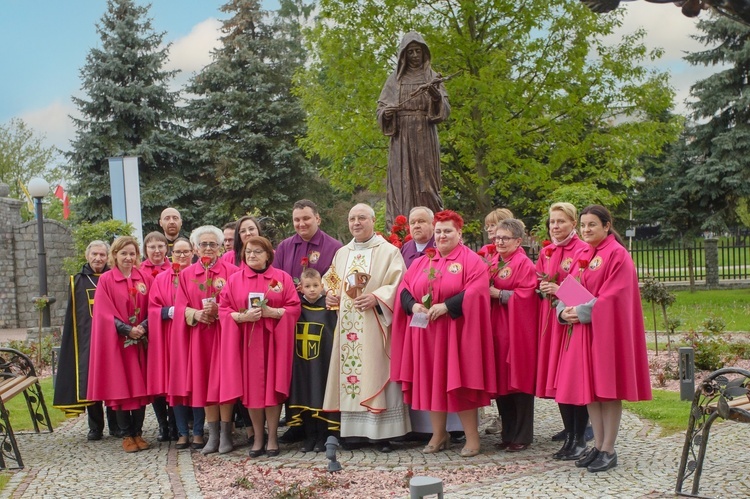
{"x":362,"y":283}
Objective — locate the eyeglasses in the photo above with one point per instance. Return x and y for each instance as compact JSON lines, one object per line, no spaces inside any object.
{"x":505,"y":239}
{"x":156,"y":247}
{"x":205,"y":245}
{"x":256,"y":252}
{"x":182,"y":253}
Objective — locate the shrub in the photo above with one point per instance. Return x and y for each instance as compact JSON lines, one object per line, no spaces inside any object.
{"x":86,"y":232}
{"x":712,"y":350}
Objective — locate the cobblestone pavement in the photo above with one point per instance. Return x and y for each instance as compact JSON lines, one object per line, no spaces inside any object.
{"x":64,"y":464}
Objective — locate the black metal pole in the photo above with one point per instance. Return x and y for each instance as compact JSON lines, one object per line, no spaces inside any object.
{"x":42,"y":261}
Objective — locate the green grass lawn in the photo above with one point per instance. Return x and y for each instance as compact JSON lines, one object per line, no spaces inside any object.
{"x":666,"y":410}
{"x":731,"y":305}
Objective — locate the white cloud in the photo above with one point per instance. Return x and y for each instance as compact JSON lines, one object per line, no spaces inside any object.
{"x":192,"y":52}
{"x":53,"y":122}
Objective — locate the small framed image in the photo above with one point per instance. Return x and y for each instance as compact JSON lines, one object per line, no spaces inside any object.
{"x":254,"y":300}
{"x":206,"y":301}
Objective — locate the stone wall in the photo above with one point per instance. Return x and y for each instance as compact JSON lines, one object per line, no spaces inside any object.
{"x":58,"y":245}
{"x":19,"y":266}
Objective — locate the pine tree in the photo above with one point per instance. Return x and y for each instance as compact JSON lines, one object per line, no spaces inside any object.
{"x":129,"y":110}
{"x":246,"y":117}
{"x":719,"y":139}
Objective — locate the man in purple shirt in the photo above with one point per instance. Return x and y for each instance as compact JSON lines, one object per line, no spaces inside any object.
{"x":318,"y":248}
{"x":420,"y":227}
{"x":309,"y":242}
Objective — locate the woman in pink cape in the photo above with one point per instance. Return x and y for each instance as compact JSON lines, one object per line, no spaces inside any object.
{"x":257,"y":347}
{"x":245,"y":228}
{"x":161,"y":316}
{"x":195,"y":361}
{"x":155,"y":249}
{"x":119,"y":328}
{"x":605,"y":359}
{"x":514,"y":319}
{"x":554,"y":264}
{"x":447,"y":366}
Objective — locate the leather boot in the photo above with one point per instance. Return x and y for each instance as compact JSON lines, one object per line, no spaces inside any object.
{"x":576,"y":450}
{"x":160,"y":411}
{"x":213,"y":439}
{"x":566,"y":446}
{"x":225,"y":438}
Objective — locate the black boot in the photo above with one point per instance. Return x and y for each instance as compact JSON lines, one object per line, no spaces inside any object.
{"x":577,"y":449}
{"x":566,"y":446}
{"x":160,"y":411}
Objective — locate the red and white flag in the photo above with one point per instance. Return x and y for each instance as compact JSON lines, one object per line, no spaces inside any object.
{"x":63,"y":196}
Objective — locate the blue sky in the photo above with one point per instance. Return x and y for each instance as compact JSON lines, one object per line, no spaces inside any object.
{"x":45,"y":43}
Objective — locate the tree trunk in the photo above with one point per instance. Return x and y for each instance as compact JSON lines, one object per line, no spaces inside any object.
{"x":656,"y":333}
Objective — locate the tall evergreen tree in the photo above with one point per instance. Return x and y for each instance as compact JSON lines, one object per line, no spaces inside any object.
{"x":718,"y":176}
{"x":246,"y":117}
{"x":128,"y":110}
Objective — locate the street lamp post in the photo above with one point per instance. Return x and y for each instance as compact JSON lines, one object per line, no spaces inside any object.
{"x":38,"y":188}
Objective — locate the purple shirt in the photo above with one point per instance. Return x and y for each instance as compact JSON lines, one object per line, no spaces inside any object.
{"x":319,"y":251}
{"x":410,"y":253}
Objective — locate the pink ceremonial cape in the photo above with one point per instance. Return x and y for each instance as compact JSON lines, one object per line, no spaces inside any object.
{"x":607,"y":359}
{"x":194,"y":374}
{"x":450,"y":365}
{"x":551,"y":332}
{"x":256,"y":358}
{"x":515,"y":325}
{"x":117,"y":374}
{"x":147,"y":267}
{"x":163,"y":293}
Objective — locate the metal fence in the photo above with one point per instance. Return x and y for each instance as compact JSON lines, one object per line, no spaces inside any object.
{"x":671,"y":262}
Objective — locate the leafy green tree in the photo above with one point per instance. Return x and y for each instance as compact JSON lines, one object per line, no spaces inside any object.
{"x":128,"y":110}
{"x":246,"y":117}
{"x":85,"y":232}
{"x":541,"y":100}
{"x":23,"y":155}
{"x":718,"y":141}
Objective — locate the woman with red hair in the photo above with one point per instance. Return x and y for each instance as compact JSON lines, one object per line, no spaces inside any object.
{"x":441,"y":350}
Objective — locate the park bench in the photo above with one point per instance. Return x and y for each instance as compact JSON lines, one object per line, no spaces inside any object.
{"x":723,"y":394}
{"x":17,"y":375}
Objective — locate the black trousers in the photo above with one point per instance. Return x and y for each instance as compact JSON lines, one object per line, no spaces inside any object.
{"x":575,"y":418}
{"x":517,"y":416}
{"x":131,"y":422}
{"x":96,"y":418}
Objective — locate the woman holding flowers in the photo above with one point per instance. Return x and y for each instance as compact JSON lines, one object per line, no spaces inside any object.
{"x":196,"y":331}
{"x":258,"y":313}
{"x":161,"y":354}
{"x":445,"y":364}
{"x":604,"y":361}
{"x":514,"y":318}
{"x":554,"y":264}
{"x":119,"y":329}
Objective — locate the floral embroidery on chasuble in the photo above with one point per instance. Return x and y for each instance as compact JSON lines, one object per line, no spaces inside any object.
{"x":351,"y":331}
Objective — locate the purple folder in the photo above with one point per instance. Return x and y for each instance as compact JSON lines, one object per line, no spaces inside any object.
{"x":572,"y":293}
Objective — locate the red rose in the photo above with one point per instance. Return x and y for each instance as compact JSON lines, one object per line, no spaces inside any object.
{"x":273,"y":283}
{"x":132,"y":291}
{"x":205,"y":261}
{"x":546,"y":243}
{"x":549,"y":251}
{"x":582,"y":264}
{"x":401,"y":220}
{"x":352,"y":336}
{"x":430,"y":252}
{"x":482,"y":252}
{"x":407,"y":238}
{"x":304,"y":262}
{"x":491,"y":250}
{"x":154,"y":273}
{"x":352,"y":380}
{"x":175,"y":266}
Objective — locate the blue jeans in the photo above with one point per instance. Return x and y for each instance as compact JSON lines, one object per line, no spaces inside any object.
{"x":181,"y":415}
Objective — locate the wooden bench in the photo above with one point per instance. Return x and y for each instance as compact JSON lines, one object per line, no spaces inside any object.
{"x":17,"y":375}
{"x":723,"y":394}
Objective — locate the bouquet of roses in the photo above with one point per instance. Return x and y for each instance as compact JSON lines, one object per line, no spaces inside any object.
{"x":400,"y":233}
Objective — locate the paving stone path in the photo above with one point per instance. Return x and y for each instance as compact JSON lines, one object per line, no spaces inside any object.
{"x":64,"y":464}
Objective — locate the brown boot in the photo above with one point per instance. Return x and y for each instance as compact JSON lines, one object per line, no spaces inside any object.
{"x":142,"y":444}
{"x":129,"y":445}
